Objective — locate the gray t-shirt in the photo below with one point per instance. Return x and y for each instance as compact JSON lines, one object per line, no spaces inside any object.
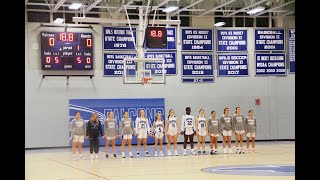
{"x":110,"y":128}
{"x":78,"y":127}
{"x":126,"y":126}
{"x":226,"y":122}
{"x":238,"y":122}
{"x":250,"y":124}
{"x":213,"y":126}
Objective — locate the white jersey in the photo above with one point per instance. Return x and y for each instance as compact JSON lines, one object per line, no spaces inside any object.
{"x":188,"y":122}
{"x":158,"y":126}
{"x":172,"y":123}
{"x":142,"y":123}
{"x":201,"y":122}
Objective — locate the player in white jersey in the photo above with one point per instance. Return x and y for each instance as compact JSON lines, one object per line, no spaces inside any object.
{"x":142,"y":131}
{"x":201,"y":126}
{"x":158,"y":130}
{"x":172,"y":131}
{"x":188,"y":129}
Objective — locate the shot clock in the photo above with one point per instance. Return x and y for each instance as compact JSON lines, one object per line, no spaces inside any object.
{"x":156,"y":37}
{"x":66,"y":51}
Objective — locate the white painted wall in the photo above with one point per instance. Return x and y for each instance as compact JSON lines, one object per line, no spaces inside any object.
{"x":47,"y":99}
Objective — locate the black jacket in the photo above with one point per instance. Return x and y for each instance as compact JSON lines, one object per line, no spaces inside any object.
{"x":93,"y":129}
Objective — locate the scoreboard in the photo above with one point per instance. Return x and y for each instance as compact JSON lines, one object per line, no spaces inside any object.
{"x":66,"y":51}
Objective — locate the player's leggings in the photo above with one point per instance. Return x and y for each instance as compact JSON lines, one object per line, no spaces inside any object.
{"x":94,"y":144}
{"x":186,"y":140}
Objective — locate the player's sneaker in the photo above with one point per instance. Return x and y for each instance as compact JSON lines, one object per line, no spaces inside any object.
{"x":169,"y":153}
{"x":161,"y":154}
{"x":225,"y":151}
{"x":147,"y":154}
{"x":138,"y":154}
{"x":96,"y":156}
{"x":156,"y":154}
{"x":230,"y":151}
{"x":107,"y":155}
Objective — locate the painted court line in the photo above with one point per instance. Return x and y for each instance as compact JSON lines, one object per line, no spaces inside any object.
{"x":79,"y":169}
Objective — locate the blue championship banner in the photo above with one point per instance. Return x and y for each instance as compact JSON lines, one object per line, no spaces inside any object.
{"x":197,"y":39}
{"x":113,"y":63}
{"x":102,"y":107}
{"x":269,"y":40}
{"x":232,"y":40}
{"x":156,"y":67}
{"x":292,"y":51}
{"x":197,"y":65}
{"x":118,"y":38}
{"x":171,"y":40}
{"x":233,"y":65}
{"x":270,"y":64}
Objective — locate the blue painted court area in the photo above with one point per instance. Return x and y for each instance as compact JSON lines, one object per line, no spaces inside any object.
{"x":253,"y":170}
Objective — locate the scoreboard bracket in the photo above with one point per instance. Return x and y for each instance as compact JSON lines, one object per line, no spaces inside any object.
{"x":67,"y":76}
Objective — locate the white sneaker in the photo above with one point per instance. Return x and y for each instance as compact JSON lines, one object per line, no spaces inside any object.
{"x":225,"y":151}
{"x":230,"y":151}
{"x":215,"y":151}
{"x":193,"y":153}
{"x":96,"y":156}
{"x":169,"y":153}
{"x":123,"y":156}
{"x":156,"y":154}
{"x":242,"y":151}
{"x":91,"y":156}
{"x":147,"y":154}
{"x":82,"y":157}
{"x":138,"y":154}
{"x":237,"y":151}
{"x":74,"y":158}
{"x":161,"y":154}
{"x":248,"y":150}
{"x":176,"y":153}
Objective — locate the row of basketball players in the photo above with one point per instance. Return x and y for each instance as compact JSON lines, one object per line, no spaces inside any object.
{"x":226,"y":125}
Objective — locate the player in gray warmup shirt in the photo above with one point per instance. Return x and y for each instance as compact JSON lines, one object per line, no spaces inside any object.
{"x":110,"y":133}
{"x":126,"y":130}
{"x":238,"y":128}
{"x":226,"y":124}
{"x":214,"y":130}
{"x":78,"y":133}
{"x":251,"y":129}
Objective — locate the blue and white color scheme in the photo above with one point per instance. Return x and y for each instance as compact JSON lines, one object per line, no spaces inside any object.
{"x":118,"y":38}
{"x":270,"y":64}
{"x":232,"y":40}
{"x":113,"y":63}
{"x":233,"y":65}
{"x":292,"y":51}
{"x":197,"y":80}
{"x":171,"y":40}
{"x":253,"y":170}
{"x":269,"y":39}
{"x":197,"y":65}
{"x":156,"y":67}
{"x":87,"y":107}
{"x":197,"y":39}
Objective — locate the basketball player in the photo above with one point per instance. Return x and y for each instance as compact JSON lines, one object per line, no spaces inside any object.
{"x":251,"y":129}
{"x":78,"y":132}
{"x":188,"y":129}
{"x":214,"y":130}
{"x":157,"y":130}
{"x":142,"y":131}
{"x":226,"y":124}
{"x":94,"y":130}
{"x":238,"y":127}
{"x":201,"y":127}
{"x":110,"y":133}
{"x":172,"y":131}
{"x":126,"y":130}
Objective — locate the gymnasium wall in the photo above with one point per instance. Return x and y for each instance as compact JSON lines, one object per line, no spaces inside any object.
{"x":47,"y":108}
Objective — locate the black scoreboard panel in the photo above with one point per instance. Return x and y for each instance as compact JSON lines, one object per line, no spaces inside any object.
{"x":66,"y":51}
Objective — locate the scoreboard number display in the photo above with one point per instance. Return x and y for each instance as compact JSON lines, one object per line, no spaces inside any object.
{"x":66,"y":51}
